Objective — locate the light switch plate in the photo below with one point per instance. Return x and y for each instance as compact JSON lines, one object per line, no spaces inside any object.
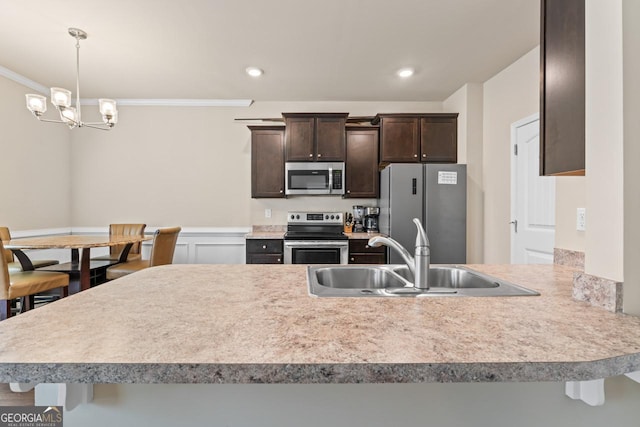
{"x":267,"y":213}
{"x":581,"y":220}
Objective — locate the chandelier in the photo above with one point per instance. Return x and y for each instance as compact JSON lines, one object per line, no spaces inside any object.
{"x":61,"y":99}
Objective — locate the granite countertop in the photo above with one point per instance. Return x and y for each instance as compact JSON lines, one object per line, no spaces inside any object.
{"x":257,"y":324}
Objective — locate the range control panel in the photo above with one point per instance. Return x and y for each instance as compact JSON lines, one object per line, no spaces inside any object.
{"x":329,"y":218}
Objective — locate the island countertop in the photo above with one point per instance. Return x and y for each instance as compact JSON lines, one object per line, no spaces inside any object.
{"x":258,"y":324}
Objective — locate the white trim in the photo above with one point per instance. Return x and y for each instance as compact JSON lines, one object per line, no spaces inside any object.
{"x":231,"y":231}
{"x":160,"y":102}
{"x":184,"y":102}
{"x":514,"y":136}
{"x":24,"y":81}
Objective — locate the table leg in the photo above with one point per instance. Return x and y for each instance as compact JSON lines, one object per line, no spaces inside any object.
{"x":80,"y":280}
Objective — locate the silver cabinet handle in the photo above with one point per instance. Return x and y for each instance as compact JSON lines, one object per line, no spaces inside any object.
{"x":279,"y":260}
{"x":281,"y":191}
{"x":366,"y":246}
{"x":424,"y":155}
{"x":353,"y":259}
{"x":264,"y":246}
{"x":319,"y":155}
{"x":415,"y":155}
{"x":310,"y":155}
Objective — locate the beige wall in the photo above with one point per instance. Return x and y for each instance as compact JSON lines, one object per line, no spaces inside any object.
{"x":604,"y":140}
{"x":190,"y":166}
{"x":631,"y":46}
{"x":509,"y":96}
{"x":467,"y":101}
{"x":35,"y":165}
{"x":570,"y":195}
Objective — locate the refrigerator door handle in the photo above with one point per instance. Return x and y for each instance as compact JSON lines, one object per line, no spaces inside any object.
{"x":414,"y":186}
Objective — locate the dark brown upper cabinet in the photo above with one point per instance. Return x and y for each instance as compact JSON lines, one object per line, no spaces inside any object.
{"x":362,"y":178}
{"x":311,"y":137}
{"x":267,"y":161}
{"x":415,"y":138}
{"x":562,"y":87}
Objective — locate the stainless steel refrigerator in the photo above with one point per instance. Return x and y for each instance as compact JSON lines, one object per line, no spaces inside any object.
{"x":435,"y":193}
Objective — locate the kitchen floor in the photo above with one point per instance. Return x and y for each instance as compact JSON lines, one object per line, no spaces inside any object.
{"x":9,"y":398}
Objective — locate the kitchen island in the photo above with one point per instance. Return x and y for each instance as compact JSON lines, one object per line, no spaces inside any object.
{"x":197,"y":345}
{"x":257,"y":324}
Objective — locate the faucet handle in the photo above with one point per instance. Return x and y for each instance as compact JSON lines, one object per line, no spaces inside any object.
{"x":421,"y":236}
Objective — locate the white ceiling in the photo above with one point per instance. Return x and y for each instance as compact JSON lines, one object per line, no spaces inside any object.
{"x":340,"y":50}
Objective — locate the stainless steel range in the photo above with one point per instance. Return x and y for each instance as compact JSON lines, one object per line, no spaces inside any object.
{"x":315,"y":238}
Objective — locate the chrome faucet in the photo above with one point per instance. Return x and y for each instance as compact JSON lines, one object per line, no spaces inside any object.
{"x":419,"y":264}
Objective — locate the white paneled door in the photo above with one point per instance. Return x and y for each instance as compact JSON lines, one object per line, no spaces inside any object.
{"x":533,"y":198}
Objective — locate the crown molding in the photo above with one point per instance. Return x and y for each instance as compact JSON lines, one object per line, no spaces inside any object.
{"x":174,"y":102}
{"x":19,"y":78}
{"x":166,"y":102}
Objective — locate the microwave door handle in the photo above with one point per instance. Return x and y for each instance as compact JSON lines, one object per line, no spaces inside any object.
{"x":330,"y":180}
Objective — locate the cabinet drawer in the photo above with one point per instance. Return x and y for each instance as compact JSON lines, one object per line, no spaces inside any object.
{"x":264,"y":258}
{"x":264,"y":246}
{"x":366,"y":259}
{"x":362,"y":246}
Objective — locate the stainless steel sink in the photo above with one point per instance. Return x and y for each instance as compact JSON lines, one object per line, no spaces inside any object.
{"x":396,"y":280}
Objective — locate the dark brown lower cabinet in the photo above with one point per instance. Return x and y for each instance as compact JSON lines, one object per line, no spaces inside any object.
{"x":264,"y":251}
{"x":361,"y":253}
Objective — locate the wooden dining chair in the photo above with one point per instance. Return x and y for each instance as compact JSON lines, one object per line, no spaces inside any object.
{"x":26,"y":284}
{"x":162,"y":250}
{"x":14,"y":266}
{"x":124,"y":230}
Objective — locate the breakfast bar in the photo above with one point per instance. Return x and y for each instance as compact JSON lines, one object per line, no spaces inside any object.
{"x":258,"y":324}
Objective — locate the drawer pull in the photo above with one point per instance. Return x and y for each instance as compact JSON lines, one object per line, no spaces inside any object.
{"x":353,"y":259}
{"x":415,"y":155}
{"x":319,"y":155}
{"x":279,"y":260}
{"x":310,"y":155}
{"x":264,"y":246}
{"x":367,"y":246}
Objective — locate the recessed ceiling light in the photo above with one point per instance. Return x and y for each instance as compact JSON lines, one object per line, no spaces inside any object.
{"x":254,"y":71}
{"x":405,"y":72}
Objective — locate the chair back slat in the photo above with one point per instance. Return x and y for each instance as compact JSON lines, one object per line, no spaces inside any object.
{"x":126,"y":230}
{"x":5,"y":282}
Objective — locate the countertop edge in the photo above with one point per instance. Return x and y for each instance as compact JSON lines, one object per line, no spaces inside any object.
{"x":325,"y":373}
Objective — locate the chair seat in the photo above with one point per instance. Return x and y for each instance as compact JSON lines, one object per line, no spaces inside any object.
{"x":16,"y":267}
{"x":33,"y":282}
{"x":125,"y":268}
{"x":131,"y":257}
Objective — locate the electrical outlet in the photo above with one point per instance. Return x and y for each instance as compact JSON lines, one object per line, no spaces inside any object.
{"x":581,"y":220}
{"x":267,"y":213}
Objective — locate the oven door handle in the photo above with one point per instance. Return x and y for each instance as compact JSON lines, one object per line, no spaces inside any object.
{"x":323,"y":243}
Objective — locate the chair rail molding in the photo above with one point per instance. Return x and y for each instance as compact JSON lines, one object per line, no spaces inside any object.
{"x":196,"y":245}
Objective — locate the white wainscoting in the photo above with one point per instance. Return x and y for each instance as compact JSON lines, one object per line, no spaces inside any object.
{"x":196,"y":245}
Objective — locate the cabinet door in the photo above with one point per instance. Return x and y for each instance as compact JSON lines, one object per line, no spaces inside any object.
{"x":267,"y":162}
{"x":330,"y":139}
{"x":439,"y":139}
{"x":562,"y":89}
{"x":400,"y":141}
{"x":299,"y":139}
{"x":362,"y":177}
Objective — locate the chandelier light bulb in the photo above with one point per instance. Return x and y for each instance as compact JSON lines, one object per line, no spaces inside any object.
{"x":37,"y":104}
{"x":60,"y":97}
{"x":69,"y":116}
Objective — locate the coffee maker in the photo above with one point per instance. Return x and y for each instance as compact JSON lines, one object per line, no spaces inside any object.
{"x":371,"y":214}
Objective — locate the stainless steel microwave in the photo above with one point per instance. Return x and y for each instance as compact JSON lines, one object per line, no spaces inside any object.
{"x":314,"y":178}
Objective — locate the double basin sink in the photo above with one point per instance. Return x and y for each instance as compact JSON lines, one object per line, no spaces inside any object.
{"x":397,"y":281}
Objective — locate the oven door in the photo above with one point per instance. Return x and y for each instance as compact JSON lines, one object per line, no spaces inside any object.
{"x":316,"y":252}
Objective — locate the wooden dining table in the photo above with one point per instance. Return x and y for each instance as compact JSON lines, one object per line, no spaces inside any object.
{"x":80,"y":246}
